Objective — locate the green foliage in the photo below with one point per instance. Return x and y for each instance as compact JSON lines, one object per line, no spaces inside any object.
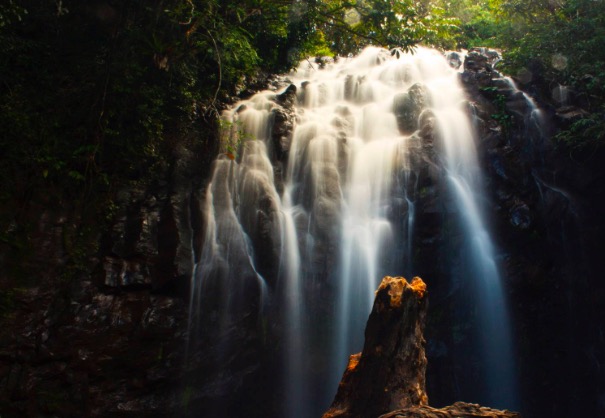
{"x":11,"y":12}
{"x":549,"y":43}
{"x":561,"y":43}
{"x":94,"y":95}
{"x":91,"y":92}
{"x":352,"y":25}
{"x":233,"y":136}
{"x":585,"y":133}
{"x":186,"y":396}
{"x":502,"y":116}
{"x":478,"y":23}
{"x":8,"y":301}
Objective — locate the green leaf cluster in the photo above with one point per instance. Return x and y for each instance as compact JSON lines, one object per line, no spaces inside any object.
{"x":98,"y":94}
{"x":350,"y":25}
{"x":95,"y":94}
{"x":546,"y":43}
{"x":561,"y":43}
{"x":93,"y":89}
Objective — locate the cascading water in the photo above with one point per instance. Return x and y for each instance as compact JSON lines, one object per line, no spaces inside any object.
{"x":312,"y":223}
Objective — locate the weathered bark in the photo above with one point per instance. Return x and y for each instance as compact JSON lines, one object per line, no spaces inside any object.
{"x":390,"y":372}
{"x":387,"y":379}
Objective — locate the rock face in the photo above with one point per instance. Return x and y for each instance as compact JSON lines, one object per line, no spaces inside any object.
{"x":389,"y":373}
{"x":156,"y":228}
{"x":408,"y":107}
{"x":112,"y":342}
{"x":387,"y":379}
{"x":545,"y":203}
{"x":91,"y":354}
{"x":106,"y":336}
{"x":283,"y":122}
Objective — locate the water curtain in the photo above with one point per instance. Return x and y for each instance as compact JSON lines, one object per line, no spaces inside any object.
{"x":314,"y":199}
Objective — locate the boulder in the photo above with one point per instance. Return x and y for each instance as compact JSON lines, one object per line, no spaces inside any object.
{"x":567,"y":115}
{"x":477,"y":62}
{"x":454,"y":59}
{"x":408,"y":106}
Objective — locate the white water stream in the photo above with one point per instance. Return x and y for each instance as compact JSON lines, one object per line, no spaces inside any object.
{"x":345,"y":213}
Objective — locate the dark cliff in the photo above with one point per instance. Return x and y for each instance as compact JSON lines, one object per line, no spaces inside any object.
{"x":545,"y":203}
{"x":112,"y":339}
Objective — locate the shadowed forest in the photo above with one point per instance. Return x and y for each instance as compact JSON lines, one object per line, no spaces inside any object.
{"x":96,"y":94}
{"x":112,"y":113}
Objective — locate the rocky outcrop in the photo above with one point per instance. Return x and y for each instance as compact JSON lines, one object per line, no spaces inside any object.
{"x":112,"y":342}
{"x":152,"y":238}
{"x":283,"y":123}
{"x":408,"y":106}
{"x":96,"y":322}
{"x":387,"y":379}
{"x":91,"y":354}
{"x":283,"y":118}
{"x":544,"y":201}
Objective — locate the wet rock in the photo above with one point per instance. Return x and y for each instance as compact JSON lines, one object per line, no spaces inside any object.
{"x":122,"y":273}
{"x":492,"y":55}
{"x":477,"y":62}
{"x":454,"y":59}
{"x":149,"y":243}
{"x":478,"y":72}
{"x":260,"y":219}
{"x":82,"y":343}
{"x":520,"y":216}
{"x":503,"y":85}
{"x":570,"y":114}
{"x":86,"y":354}
{"x":344,"y":122}
{"x":281,"y":132}
{"x":390,"y":372}
{"x":287,"y":99}
{"x":427,"y":123}
{"x":539,"y":199}
{"x":408,"y":106}
{"x":350,"y":87}
{"x":175,"y":235}
{"x":283,"y":119}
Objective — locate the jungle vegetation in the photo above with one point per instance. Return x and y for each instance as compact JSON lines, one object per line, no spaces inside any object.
{"x":95,"y":94}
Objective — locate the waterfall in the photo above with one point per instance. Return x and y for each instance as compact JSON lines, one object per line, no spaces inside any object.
{"x":305,"y":224}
